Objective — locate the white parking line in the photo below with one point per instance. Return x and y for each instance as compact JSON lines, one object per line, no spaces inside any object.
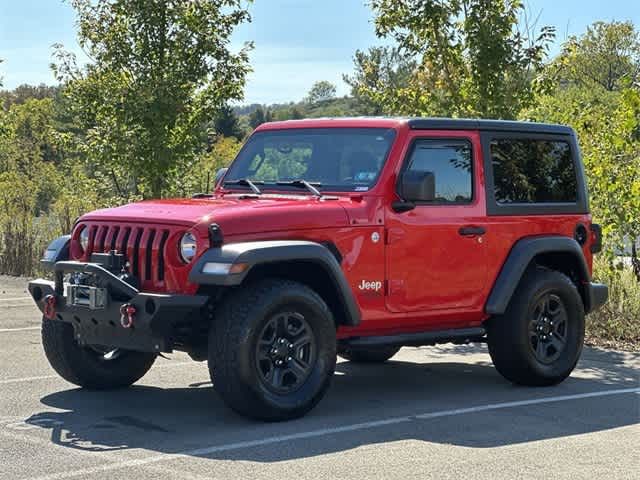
{"x":20,"y":300}
{"x":19,"y":329}
{"x":27,"y":379}
{"x":322,"y":432}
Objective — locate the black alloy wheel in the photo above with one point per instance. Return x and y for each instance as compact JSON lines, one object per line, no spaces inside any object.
{"x":285,"y":352}
{"x":548,"y":328}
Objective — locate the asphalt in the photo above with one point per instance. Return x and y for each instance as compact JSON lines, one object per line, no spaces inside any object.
{"x":437,"y":412}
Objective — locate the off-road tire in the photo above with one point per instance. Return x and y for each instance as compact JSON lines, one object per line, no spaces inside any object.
{"x":509,"y":335}
{"x":368,"y":354}
{"x":84,"y":366}
{"x":233,"y":344}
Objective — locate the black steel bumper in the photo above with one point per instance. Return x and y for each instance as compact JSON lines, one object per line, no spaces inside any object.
{"x":154,"y":321}
{"x":598,"y":295}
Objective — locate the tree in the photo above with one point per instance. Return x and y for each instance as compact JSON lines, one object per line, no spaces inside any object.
{"x":606,"y":57}
{"x":160,"y":71}
{"x":24,"y":92}
{"x":256,"y":117}
{"x":227,"y":123}
{"x":222,"y":153}
{"x":381,"y":76}
{"x":472,"y":59}
{"x":295,"y":113}
{"x":259,"y":116}
{"x":321,"y":92}
{"x":608,"y":126}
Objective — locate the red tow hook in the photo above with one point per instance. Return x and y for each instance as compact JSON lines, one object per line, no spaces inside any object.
{"x":127,"y":315}
{"x":49,"y":309}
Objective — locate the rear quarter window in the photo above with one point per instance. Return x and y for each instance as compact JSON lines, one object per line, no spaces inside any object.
{"x":533,"y":171}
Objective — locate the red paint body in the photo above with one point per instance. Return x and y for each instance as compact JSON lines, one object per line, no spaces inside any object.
{"x":433,"y":277}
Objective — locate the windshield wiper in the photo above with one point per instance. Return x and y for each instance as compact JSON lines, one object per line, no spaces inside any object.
{"x":300,"y":182}
{"x":245,"y":181}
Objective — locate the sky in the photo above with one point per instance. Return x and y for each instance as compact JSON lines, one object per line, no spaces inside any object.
{"x":297,"y":42}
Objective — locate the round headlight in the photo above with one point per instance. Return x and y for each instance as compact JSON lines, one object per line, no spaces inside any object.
{"x":84,"y":238}
{"x":188,"y":246}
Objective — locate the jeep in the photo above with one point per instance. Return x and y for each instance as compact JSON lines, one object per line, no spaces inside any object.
{"x":325,"y":237}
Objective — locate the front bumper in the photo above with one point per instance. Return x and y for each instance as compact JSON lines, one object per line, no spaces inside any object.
{"x":598,"y":294}
{"x":156,"y":315}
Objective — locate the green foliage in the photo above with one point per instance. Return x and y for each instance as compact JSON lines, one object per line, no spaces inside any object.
{"x":616,"y":323}
{"x":259,"y":116}
{"x":606,"y":57}
{"x":223,"y":151}
{"x":25,"y":92}
{"x":160,"y":70}
{"x":608,"y":126}
{"x":471,"y":59}
{"x":380,"y":80}
{"x":227,"y":123}
{"x":321,"y":92}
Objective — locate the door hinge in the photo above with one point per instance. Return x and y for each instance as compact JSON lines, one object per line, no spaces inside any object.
{"x":392,"y":235}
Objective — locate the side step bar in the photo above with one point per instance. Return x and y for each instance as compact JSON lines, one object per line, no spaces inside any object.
{"x":459,"y":336}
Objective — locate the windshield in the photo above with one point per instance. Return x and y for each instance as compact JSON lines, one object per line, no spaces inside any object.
{"x":338,"y":159}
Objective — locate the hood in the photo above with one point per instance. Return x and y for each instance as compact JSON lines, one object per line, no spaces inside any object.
{"x":234,"y":215}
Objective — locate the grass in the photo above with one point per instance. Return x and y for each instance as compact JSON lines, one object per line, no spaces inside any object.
{"x":617,"y":323}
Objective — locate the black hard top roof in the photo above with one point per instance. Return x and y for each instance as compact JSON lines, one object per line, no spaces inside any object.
{"x":493,"y":125}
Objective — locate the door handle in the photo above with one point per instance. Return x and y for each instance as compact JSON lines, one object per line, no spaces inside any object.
{"x":471,"y":231}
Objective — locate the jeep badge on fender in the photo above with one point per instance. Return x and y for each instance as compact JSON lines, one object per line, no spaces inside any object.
{"x":284,"y":266}
{"x":375,"y":286}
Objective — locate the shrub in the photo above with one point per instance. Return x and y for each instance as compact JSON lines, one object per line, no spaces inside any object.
{"x":617,"y":323}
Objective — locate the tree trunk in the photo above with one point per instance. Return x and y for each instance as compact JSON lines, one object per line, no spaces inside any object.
{"x":635,"y":261}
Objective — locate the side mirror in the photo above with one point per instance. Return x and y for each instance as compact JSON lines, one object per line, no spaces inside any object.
{"x":219,"y":174}
{"x":418,"y":186}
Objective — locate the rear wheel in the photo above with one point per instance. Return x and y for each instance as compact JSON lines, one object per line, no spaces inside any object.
{"x":273,"y":350}
{"x":95,"y":367}
{"x":368,"y":354}
{"x":539,"y":338}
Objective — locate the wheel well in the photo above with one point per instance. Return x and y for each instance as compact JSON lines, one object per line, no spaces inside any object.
{"x":565,"y":263}
{"x":309,"y":273}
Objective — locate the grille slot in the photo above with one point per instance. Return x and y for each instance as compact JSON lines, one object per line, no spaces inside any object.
{"x":113,"y":237}
{"x":148,"y":260}
{"x":163,"y":242}
{"x":132,"y":255}
{"x":102,"y":233}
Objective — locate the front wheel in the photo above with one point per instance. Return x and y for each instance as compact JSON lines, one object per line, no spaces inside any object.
{"x":95,"y":367}
{"x":539,"y":338}
{"x":273,"y":350}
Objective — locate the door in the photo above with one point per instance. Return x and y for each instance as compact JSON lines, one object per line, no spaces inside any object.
{"x":435,"y":253}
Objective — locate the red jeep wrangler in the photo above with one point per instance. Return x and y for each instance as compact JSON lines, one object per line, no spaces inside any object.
{"x":352,"y":237}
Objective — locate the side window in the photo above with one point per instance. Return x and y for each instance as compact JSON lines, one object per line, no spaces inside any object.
{"x":533,"y":171}
{"x":450,"y":163}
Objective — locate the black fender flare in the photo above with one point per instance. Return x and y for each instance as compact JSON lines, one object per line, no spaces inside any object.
{"x":273,"y":251}
{"x":56,"y":251}
{"x":520,"y":257}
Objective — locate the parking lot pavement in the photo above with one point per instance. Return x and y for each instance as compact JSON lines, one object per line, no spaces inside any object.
{"x":437,"y":412}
